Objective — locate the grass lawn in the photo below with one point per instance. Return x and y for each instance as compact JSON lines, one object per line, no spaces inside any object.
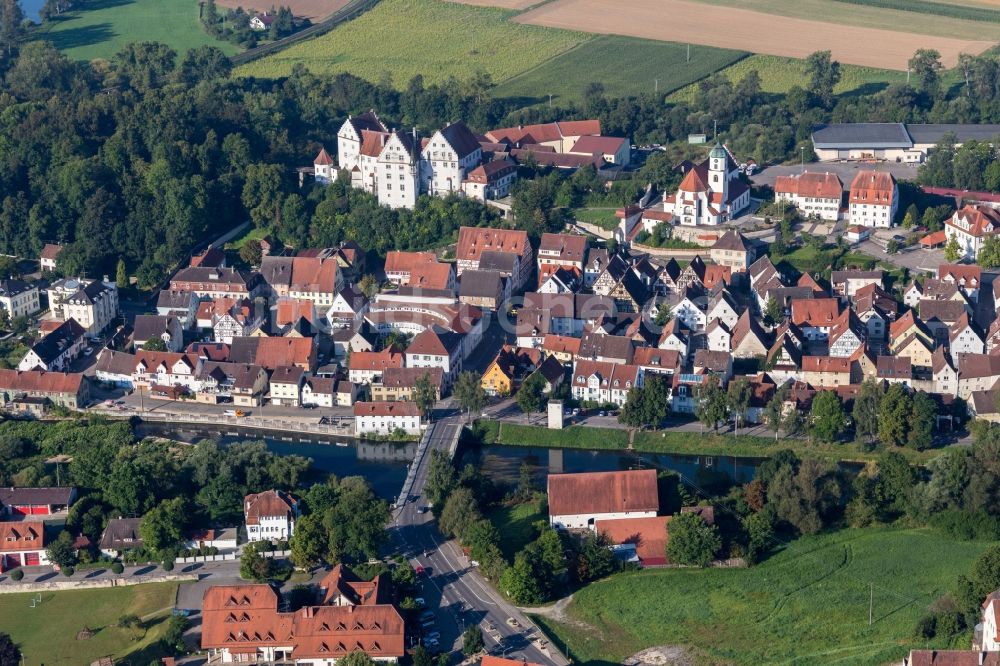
{"x":252,"y":233}
{"x":805,"y":605}
{"x":602,"y":217}
{"x":625,"y":65}
{"x":778,"y":74}
{"x":515,"y":524}
{"x":573,"y":437}
{"x":429,"y":37}
{"x":47,"y":634}
{"x":102,"y":27}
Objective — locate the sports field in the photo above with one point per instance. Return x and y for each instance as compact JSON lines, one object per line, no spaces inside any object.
{"x":745,"y":29}
{"x":626,"y":66}
{"x":402,"y":38}
{"x":47,"y":633}
{"x":806,"y":605}
{"x":102,"y":27}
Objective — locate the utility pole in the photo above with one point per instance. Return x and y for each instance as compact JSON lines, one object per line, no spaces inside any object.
{"x":871,"y":601}
{"x":656,"y":86}
{"x":688,"y":53}
{"x":550,"y":100}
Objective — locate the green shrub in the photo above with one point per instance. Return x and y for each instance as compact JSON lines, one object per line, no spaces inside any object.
{"x":168,"y":565}
{"x":68,"y":571}
{"x":16,"y":575}
{"x":967,"y":526}
{"x":117,"y":567}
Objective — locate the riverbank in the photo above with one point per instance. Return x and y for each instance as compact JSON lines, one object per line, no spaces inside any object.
{"x":682,"y":443}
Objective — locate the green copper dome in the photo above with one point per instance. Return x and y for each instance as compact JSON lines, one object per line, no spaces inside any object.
{"x":718,"y":152}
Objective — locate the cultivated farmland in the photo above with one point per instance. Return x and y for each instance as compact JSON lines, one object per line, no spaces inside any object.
{"x":805,"y":605}
{"x":101,"y":28}
{"x":314,"y":10}
{"x":735,"y":28}
{"x":403,"y":38}
{"x":625,"y":66}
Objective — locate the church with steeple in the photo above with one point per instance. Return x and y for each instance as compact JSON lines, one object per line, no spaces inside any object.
{"x":711,"y":192}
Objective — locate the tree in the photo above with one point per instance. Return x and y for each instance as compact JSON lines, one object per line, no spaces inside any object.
{"x":163,"y":527}
{"x":804,"y":496}
{"x":356,"y":658}
{"x":460,"y":512}
{"x":424,"y":394}
{"x":824,"y":74}
{"x":926,"y":67}
{"x":530,"y":396}
{"x":760,"y":531}
{"x":308,"y":541}
{"x":472,"y":641}
{"x":895,"y":411}
{"x":908,"y":221}
{"x":61,"y":551}
{"x":355,"y":525}
{"x":989,"y":253}
{"x":440,"y":478}
{"x":664,"y":314}
{"x":595,"y":559}
{"x":368,"y":285}
{"x":520,"y":581}
{"x":155,"y":344}
{"x":921,"y":422}
{"x":254,"y":566}
{"x":738,"y":399}
{"x":952,"y":251}
{"x":866,"y":410}
{"x":712,"y":405}
{"x":692,"y":541}
{"x":251,"y":253}
{"x":772,"y":311}
{"x":129,"y":621}
{"x":9,"y":654}
{"x":121,"y":276}
{"x":892,"y":247}
{"x":647,"y":405}
{"x":262,"y":193}
{"x":774,"y":414}
{"x":11,"y":24}
{"x":826,"y":418}
{"x":469,"y":392}
{"x":421,"y":657}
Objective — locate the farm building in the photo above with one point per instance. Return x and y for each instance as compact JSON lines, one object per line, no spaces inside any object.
{"x":578,"y":501}
{"x":895,"y":142}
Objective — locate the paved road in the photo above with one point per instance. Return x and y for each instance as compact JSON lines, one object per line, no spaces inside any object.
{"x":458,"y":594}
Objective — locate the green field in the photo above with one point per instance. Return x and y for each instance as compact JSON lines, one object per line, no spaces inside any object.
{"x":47,"y":634}
{"x":402,"y":38}
{"x":624,"y":65}
{"x":805,"y":605}
{"x":103,"y":27}
{"x":778,"y":74}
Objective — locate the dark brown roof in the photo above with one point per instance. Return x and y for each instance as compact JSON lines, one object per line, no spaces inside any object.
{"x":121,"y":534}
{"x":952,"y":658}
{"x":460,"y":138}
{"x":35,"y":496}
{"x":603,"y":492}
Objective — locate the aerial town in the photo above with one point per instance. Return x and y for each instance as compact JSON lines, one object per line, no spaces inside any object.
{"x":558,"y":334}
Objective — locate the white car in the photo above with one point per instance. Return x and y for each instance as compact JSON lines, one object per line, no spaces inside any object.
{"x":420,"y":602}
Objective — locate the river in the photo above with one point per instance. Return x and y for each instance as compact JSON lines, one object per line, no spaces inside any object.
{"x":385,"y":464}
{"x":31,"y":9}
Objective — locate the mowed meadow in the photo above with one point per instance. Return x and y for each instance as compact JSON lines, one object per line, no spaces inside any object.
{"x":399,"y":39}
{"x":807,"y":604}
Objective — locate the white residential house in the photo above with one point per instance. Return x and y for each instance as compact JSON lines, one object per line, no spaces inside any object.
{"x":970,"y":226}
{"x":604,"y":382}
{"x":92,"y":303}
{"x":721,"y":306}
{"x":720,"y":338}
{"x":270,"y":515}
{"x":814,"y":194}
{"x":873,"y":199}
{"x":168,"y":329}
{"x":18,"y":298}
{"x":964,"y":338}
{"x":286,"y":385}
{"x":690,"y":314}
{"x":385,"y":418}
{"x":436,"y":347}
{"x":990,"y":641}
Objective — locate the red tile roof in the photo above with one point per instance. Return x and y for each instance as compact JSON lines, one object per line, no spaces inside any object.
{"x":401,"y":408}
{"x":963,"y":275}
{"x":21,"y":536}
{"x":598,"y":145}
{"x":405,"y":262}
{"x":387,"y":358}
{"x":978,"y":220}
{"x":431,"y":276}
{"x":268,"y":504}
{"x":51,"y":251}
{"x":291,"y":310}
{"x":819,"y":185}
{"x":648,"y":534}
{"x":473,"y":241}
{"x":873,"y":187}
{"x":323,"y":158}
{"x":568,"y":247}
{"x":815,"y":312}
{"x":603,"y":492}
{"x":40,"y":381}
{"x":545,"y":132}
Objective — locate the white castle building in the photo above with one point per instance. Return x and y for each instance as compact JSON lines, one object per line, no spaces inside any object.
{"x":399,"y":166}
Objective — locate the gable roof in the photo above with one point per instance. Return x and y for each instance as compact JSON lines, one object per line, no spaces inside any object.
{"x":603,"y":492}
{"x":398,"y":408}
{"x":58,"y":341}
{"x":40,"y":381}
{"x":21,"y":536}
{"x":568,"y":247}
{"x":460,"y":138}
{"x":473,"y":241}
{"x":816,"y":312}
{"x":397,"y":261}
{"x":731,"y":240}
{"x":649,"y":535}
{"x":811,"y":184}
{"x":269,"y":504}
{"x":51,"y":251}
